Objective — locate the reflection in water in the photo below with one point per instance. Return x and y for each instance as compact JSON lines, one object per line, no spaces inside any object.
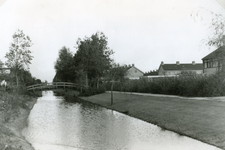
{"x":57,"y":125}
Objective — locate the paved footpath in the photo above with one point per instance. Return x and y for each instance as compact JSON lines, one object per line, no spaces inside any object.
{"x":200,"y":118}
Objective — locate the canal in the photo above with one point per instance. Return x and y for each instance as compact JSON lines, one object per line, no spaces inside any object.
{"x":54,"y":124}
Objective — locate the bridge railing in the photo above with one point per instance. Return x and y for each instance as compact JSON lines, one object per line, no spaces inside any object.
{"x":55,"y":85}
{"x":34,"y":85}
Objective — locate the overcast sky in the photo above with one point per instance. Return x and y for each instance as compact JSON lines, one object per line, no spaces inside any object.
{"x":141,"y":32}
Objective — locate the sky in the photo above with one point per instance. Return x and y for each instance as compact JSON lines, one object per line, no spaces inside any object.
{"x":140,"y":32}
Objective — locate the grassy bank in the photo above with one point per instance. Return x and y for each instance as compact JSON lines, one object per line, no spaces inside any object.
{"x":203,"y":120}
{"x":15,"y":109}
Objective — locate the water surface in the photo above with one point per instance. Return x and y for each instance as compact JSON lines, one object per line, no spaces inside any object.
{"x":56,"y":125}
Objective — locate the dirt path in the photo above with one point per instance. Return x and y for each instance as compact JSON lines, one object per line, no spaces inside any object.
{"x":199,"y":118}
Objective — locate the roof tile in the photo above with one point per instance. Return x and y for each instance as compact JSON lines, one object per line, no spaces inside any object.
{"x":216,"y":53}
{"x":197,"y":66}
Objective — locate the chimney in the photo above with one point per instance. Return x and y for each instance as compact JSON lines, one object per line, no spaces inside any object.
{"x":177,"y":62}
{"x":132,"y":65}
{"x":162,"y":63}
{"x":193,"y":62}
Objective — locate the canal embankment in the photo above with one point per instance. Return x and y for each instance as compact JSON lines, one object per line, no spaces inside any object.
{"x":11,"y":130}
{"x":199,"y":118}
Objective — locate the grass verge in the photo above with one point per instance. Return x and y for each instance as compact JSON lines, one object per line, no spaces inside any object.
{"x":15,"y":109}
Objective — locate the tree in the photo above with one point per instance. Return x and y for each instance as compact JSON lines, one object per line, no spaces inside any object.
{"x":19,"y":55}
{"x":216,"y":26}
{"x":1,"y":64}
{"x":151,"y":73}
{"x":93,"y":57}
{"x":26,"y":77}
{"x":38,"y":81}
{"x":217,"y":32}
{"x":116,"y":73}
{"x":64,"y":65}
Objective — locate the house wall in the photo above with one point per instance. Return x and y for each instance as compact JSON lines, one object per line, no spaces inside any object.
{"x":134,"y":73}
{"x":211,"y":66}
{"x":209,"y":71}
{"x":178,"y":72}
{"x":161,"y":71}
{"x":171,"y":72}
{"x":168,"y":73}
{"x":175,"y":72}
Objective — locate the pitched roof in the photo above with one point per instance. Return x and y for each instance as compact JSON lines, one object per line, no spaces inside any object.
{"x":197,"y":66}
{"x":216,"y":53}
{"x":135,"y":68}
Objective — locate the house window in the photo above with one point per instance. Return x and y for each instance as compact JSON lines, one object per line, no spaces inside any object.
{"x":205,"y":64}
{"x":209,"y":64}
{"x":215,"y":63}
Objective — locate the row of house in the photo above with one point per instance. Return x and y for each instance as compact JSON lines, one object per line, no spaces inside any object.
{"x":211,"y":64}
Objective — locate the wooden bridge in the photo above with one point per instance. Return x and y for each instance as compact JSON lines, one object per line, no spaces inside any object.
{"x":55,"y":85}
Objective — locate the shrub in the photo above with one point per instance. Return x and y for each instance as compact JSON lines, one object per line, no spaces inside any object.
{"x":92,"y":91}
{"x":186,"y":84}
{"x":11,"y":101}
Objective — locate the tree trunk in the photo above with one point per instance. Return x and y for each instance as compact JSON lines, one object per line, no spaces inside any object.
{"x":112,"y":94}
{"x":98,"y":83}
{"x":17,"y":81}
{"x":86,"y":79}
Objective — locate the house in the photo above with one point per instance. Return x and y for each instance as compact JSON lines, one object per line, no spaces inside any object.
{"x":177,"y":68}
{"x":134,"y":73}
{"x":4,"y":70}
{"x":213,"y":62}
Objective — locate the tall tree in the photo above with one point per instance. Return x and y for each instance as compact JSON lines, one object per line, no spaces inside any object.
{"x":215,"y":23}
{"x":1,"y":64}
{"x":64,"y":65}
{"x":19,"y":56}
{"x":93,"y":56}
{"x":216,"y":28}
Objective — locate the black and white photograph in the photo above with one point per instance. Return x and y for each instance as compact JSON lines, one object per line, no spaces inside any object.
{"x":112,"y":74}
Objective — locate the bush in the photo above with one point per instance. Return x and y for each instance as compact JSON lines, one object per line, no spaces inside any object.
{"x":10,"y":104}
{"x":11,"y":101}
{"x":92,"y":91}
{"x":186,"y":84}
